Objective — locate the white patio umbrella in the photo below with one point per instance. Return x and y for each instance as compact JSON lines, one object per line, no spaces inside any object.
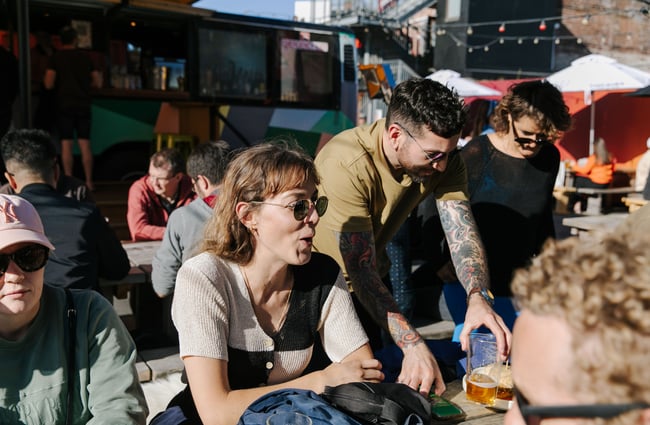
{"x":465,"y":87}
{"x":593,"y":73}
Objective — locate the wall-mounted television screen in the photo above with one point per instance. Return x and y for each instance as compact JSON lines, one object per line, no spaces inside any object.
{"x":232,"y":63}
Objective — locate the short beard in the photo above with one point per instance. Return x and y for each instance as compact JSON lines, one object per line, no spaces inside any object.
{"x":419,"y":179}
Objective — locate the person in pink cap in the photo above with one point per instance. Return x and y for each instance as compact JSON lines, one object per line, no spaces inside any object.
{"x":65,"y":356}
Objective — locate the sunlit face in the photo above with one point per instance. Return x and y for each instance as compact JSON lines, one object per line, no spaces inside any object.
{"x":20,"y":291}
{"x":422,"y":156}
{"x":163,"y":180}
{"x":278,"y":234}
{"x":527,"y":132}
{"x":541,"y":365}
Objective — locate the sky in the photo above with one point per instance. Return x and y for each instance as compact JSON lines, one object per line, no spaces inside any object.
{"x":278,"y":9}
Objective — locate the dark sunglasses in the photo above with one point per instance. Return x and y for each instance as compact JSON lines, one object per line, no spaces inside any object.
{"x":302,"y":208}
{"x":29,"y":258}
{"x":534,"y":414}
{"x":432,"y":157}
{"x":527,"y":140}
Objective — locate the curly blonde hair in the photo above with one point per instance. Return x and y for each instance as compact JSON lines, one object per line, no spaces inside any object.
{"x":601,"y":290}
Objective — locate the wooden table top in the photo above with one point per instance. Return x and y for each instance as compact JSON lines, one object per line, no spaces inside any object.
{"x":605,"y":222}
{"x":476,"y":413}
{"x":140,"y":256}
{"x":141,"y":253}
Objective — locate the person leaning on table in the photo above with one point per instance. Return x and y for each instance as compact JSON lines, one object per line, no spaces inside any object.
{"x":374,"y":176}
{"x":581,"y":343}
{"x":40,"y":365}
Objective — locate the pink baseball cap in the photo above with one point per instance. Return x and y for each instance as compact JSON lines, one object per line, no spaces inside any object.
{"x":19,"y":222}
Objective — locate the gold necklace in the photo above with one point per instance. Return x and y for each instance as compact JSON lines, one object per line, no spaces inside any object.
{"x":250,"y":295}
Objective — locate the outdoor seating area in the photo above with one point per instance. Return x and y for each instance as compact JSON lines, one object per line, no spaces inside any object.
{"x":315,"y":212}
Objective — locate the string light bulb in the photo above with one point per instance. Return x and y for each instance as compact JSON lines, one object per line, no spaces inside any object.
{"x":519,"y":41}
{"x":502,"y":28}
{"x":557,"y":41}
{"x":542,"y":26}
{"x":501,"y":40}
{"x":471,"y":49}
{"x":486,"y":49}
{"x":585,"y":20}
{"x":470,"y":31}
{"x":536,"y":40}
{"x":579,"y":40}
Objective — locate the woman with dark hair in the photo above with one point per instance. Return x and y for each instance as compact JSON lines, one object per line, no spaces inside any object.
{"x":511,"y":174}
{"x":251,"y":306}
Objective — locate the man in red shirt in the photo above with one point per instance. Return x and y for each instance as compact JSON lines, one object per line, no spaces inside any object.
{"x":153,"y":197}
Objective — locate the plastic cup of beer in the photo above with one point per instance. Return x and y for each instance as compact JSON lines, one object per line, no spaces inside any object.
{"x":483,"y":369}
{"x":505,"y":389}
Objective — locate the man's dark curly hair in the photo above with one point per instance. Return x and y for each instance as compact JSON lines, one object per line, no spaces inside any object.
{"x":422,"y":101}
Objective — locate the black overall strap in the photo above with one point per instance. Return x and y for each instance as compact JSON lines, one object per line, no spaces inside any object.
{"x":72,"y":333}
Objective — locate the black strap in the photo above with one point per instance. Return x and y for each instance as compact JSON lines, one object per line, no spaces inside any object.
{"x":72,"y":333}
{"x":360,"y":400}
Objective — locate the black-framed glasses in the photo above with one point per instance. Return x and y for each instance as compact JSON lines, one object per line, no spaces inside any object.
{"x":29,"y":258}
{"x":534,"y":414}
{"x":302,"y":208}
{"x":432,"y":157}
{"x":526,"y":140}
{"x":164,"y":180}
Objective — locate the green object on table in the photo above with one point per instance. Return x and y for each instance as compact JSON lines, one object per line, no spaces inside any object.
{"x":444,"y":410}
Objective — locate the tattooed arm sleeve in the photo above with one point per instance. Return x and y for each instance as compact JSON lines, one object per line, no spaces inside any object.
{"x":465,"y":246}
{"x":358,"y":251}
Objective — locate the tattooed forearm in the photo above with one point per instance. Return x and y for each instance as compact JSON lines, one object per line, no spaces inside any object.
{"x":465,"y":246}
{"x":401,"y":331}
{"x":358,"y":251}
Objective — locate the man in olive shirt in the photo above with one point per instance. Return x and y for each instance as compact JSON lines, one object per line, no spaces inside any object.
{"x":373,"y":177}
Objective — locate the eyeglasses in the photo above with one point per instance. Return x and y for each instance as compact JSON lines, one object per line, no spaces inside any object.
{"x":525,"y":140}
{"x":164,"y":180}
{"x":534,"y":414}
{"x":29,"y":259}
{"x":302,"y":208}
{"x":432,"y":157}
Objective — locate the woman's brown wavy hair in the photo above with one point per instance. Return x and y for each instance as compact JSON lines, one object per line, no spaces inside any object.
{"x":255,"y":174}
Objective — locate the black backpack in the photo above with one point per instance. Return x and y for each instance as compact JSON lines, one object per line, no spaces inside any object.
{"x":380,"y":403}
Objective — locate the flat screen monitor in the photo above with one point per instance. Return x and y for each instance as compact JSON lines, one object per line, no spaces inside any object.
{"x":232,"y":63}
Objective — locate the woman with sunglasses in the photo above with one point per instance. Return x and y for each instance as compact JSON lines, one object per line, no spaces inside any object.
{"x":251,"y":307}
{"x":511,"y":175}
{"x":57,"y":367}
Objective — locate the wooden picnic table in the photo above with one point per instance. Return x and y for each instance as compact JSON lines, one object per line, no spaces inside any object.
{"x":140,"y":256}
{"x":136,"y":285}
{"x":562,"y":193}
{"x":602,"y":223}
